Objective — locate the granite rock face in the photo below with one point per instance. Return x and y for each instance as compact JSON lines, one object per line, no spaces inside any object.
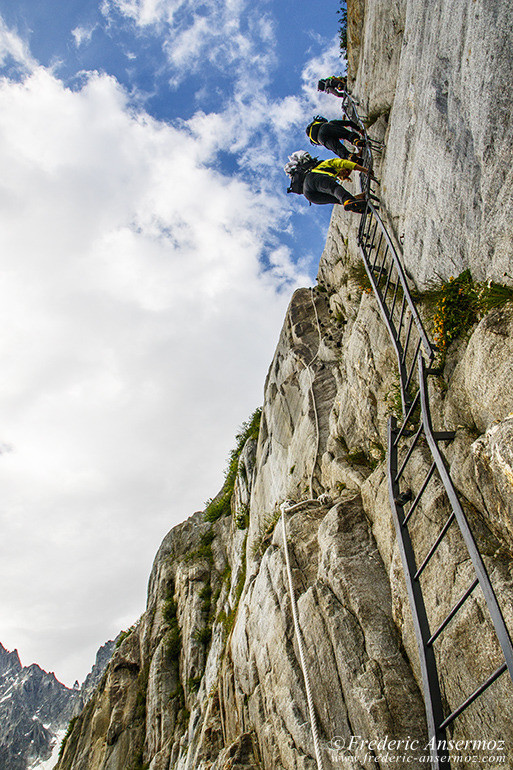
{"x":211,"y":676}
{"x":93,"y":679}
{"x":438,"y":73}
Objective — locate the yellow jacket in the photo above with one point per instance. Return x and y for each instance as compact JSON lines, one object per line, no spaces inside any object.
{"x":333,"y":166}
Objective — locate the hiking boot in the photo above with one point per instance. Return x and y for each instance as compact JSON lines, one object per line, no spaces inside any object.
{"x":357,"y":206}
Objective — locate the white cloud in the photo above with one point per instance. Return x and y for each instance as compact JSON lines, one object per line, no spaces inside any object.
{"x":83,"y":34}
{"x":232,"y":35}
{"x":13,"y":46}
{"x":139,"y":322}
{"x":143,"y":12}
{"x":134,"y":285}
{"x":132,"y":289}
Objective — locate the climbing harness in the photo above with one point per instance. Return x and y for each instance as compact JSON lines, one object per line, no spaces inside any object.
{"x":415,"y":356}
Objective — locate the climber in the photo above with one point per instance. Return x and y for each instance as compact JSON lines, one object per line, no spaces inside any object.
{"x":318,"y":180}
{"x":333,"y":85}
{"x":329,"y":133}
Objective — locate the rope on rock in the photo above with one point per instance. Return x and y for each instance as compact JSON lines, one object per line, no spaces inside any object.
{"x":297,"y":629}
{"x":286,"y":507}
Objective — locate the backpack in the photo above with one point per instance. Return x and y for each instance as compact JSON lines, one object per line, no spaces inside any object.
{"x":300,"y":163}
{"x":317,"y":119}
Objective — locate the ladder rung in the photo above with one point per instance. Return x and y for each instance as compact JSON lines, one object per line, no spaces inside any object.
{"x":403,"y":305}
{"x":491,"y":679}
{"x":434,"y":546}
{"x":453,"y":612}
{"x":403,"y":431}
{"x":402,"y":319}
{"x":409,"y":453}
{"x":445,"y":435}
{"x":387,"y":285}
{"x":385,"y":255}
{"x":421,"y":492}
{"x":410,"y":323}
{"x":392,"y":308}
{"x":412,"y":367}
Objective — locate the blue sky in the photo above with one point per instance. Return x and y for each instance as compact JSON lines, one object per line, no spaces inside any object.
{"x":148,"y":253}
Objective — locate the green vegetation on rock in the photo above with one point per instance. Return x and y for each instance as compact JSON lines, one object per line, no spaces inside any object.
{"x":342,"y":28}
{"x":221,"y":505}
{"x":173,"y":638}
{"x":457,"y":304}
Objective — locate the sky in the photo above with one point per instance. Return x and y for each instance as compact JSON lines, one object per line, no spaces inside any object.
{"x":148,"y":254}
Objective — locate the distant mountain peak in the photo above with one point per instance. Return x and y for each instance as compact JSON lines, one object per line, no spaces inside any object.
{"x":35,"y":708}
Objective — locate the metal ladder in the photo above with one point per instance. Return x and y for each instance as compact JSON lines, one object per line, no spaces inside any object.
{"x":415,"y":356}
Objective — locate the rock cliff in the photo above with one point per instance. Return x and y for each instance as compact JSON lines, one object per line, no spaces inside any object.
{"x":210,"y":676}
{"x":436,"y":78}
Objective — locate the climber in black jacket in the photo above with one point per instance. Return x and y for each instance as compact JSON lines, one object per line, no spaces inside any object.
{"x":333,"y":85}
{"x":330,"y":133}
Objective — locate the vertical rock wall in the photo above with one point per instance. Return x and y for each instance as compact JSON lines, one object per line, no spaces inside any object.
{"x":439,"y":76}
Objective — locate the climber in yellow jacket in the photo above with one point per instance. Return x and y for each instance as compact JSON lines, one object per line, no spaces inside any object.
{"x":321,"y":184}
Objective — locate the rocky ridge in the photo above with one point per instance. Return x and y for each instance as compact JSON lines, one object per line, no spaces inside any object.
{"x":210,"y":679}
{"x":35,"y":708}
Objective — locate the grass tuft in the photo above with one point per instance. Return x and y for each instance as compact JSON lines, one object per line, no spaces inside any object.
{"x":221,"y":505}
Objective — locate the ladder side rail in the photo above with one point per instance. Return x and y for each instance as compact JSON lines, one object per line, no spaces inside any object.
{"x":380,"y":265}
{"x":425,"y":640}
{"x":403,"y":375}
{"x":427,"y":345}
{"x":430,"y":679}
{"x":349,"y":108}
{"x":475,"y":556}
{"x":380,"y":260}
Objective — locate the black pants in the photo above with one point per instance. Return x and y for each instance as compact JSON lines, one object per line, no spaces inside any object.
{"x":324,"y":188}
{"x":330,"y":135}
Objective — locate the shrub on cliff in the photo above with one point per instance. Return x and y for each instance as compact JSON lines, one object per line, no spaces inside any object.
{"x":457,"y":304}
{"x":342,"y":29}
{"x":221,"y":505}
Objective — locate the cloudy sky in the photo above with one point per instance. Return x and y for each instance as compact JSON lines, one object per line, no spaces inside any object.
{"x":148,"y":253}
